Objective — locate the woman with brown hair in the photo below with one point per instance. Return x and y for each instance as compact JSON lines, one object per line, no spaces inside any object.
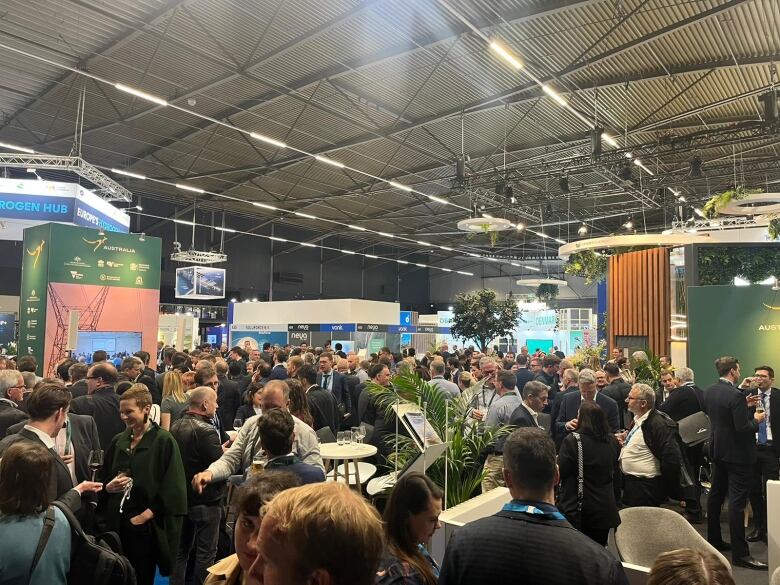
{"x":411,"y":517}
{"x":686,"y":566}
{"x":299,"y":404}
{"x":598,"y":511}
{"x":25,"y":470}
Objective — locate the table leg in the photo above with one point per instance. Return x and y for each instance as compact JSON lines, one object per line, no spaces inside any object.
{"x":346,"y":471}
{"x":357,"y":476}
{"x":335,"y":470}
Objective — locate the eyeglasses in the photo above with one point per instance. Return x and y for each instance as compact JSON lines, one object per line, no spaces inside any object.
{"x":93,"y":377}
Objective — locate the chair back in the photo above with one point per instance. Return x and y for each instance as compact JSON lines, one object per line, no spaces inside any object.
{"x":325,"y":435}
{"x":646,"y":532}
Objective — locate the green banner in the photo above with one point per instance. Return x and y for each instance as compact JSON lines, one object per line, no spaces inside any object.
{"x":32,"y":301}
{"x":81,"y":256}
{"x":741,"y":321}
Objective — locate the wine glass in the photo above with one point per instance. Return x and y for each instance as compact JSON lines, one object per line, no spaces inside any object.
{"x":356,"y":434}
{"x":95,"y":461}
{"x":237,"y":424}
{"x":363,"y":431}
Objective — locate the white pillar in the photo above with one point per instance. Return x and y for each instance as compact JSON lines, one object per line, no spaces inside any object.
{"x":773,"y":523}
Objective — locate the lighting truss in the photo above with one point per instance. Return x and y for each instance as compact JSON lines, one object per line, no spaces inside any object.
{"x":106,"y":188}
{"x":724,"y":222}
{"x":198,"y":257}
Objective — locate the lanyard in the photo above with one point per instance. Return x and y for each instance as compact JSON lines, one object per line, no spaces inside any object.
{"x":547,"y":511}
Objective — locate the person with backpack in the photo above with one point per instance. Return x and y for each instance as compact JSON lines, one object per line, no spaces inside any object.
{"x":35,"y":537}
{"x":145,"y":497}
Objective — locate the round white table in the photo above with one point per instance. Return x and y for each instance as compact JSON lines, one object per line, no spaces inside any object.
{"x":350,"y":452}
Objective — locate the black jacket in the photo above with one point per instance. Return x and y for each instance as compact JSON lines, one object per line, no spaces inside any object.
{"x":60,"y":482}
{"x":524,"y":375}
{"x":338,"y":389}
{"x":522,"y":418}
{"x":570,"y":408}
{"x":245,"y":412}
{"x":78,"y":388}
{"x":103,"y":406}
{"x":323,"y":409}
{"x":494,"y":550}
{"x":84,"y":436}
{"x":199,"y":445}
{"x":351,"y":383}
{"x":9,"y":416}
{"x":682,"y":402}
{"x":618,"y":390}
{"x":732,"y":429}
{"x":229,"y":400}
{"x":601,"y":467}
{"x":661,"y":437}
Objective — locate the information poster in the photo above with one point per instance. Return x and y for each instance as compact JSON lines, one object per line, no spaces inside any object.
{"x":200,"y":282}
{"x":249,"y":337}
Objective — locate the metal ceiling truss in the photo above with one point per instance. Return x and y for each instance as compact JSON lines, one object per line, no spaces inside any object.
{"x":107,"y":188}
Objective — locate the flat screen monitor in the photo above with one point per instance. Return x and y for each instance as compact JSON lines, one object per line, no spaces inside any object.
{"x":118,"y":344}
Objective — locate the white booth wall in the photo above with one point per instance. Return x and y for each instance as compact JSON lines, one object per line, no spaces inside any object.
{"x":317,"y":311}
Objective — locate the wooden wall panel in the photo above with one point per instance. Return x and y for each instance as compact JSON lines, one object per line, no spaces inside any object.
{"x":638,"y":297}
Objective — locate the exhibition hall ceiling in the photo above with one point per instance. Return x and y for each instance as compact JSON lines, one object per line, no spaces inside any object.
{"x":396,"y":90}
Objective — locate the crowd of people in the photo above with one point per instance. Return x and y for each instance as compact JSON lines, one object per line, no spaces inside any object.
{"x":156,"y":456}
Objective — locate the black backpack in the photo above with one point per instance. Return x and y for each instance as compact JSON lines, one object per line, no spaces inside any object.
{"x":96,"y":560}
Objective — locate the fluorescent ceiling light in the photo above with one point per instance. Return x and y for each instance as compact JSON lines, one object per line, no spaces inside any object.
{"x":560,"y":241}
{"x":492,"y":259}
{"x":330,"y":161}
{"x":609,"y":140}
{"x":446,"y":249}
{"x":438,"y":199}
{"x":275,"y":239}
{"x":189,"y":188}
{"x":399,"y":186}
{"x":474,"y":255}
{"x":265,"y":206}
{"x":402,"y":261}
{"x":129,"y":174}
{"x":371,"y":256}
{"x":487,"y":215}
{"x":141,"y":94}
{"x":445,"y":269}
{"x":224,"y":229}
{"x":357,"y":227}
{"x":308,"y":245}
{"x":15,"y":147}
{"x":385,"y":234}
{"x":304,"y":215}
{"x":268,"y":140}
{"x":465,"y":273}
{"x":534,"y":268}
{"x":421,"y":265}
{"x":541,"y":234}
{"x":349,"y":252}
{"x":505,"y":54}
{"x":183,"y":222}
{"x":514,"y":264}
{"x":423,"y":243}
{"x":554,"y":95}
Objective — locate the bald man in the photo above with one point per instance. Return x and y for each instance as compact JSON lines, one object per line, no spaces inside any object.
{"x":246,"y":447}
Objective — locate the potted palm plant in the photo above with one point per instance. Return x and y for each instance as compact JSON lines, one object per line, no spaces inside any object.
{"x":451,"y":420}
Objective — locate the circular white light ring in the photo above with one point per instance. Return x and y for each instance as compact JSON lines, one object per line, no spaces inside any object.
{"x":477,"y":225}
{"x":753,"y":205}
{"x":629,"y":240}
{"x":538,"y":281}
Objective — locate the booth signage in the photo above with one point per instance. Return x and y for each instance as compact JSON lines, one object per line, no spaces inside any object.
{"x":338,"y":327}
{"x":402,"y":329}
{"x":406,"y":318}
{"x":299,"y":337}
{"x":371,"y":328}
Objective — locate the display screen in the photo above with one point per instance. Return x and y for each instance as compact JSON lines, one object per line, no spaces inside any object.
{"x":118,"y":344}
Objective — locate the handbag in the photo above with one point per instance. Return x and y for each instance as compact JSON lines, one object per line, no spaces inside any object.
{"x":575,"y":519}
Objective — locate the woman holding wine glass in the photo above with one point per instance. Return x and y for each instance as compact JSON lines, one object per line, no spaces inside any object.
{"x":145,"y":497}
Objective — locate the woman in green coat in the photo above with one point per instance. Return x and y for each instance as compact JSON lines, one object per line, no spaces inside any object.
{"x":145,"y":496}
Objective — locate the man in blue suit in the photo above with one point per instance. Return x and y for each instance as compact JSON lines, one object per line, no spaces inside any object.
{"x":570,"y":406}
{"x":332,"y":381}
{"x":279,"y":371}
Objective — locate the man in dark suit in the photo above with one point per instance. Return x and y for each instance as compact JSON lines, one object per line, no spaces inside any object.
{"x":767,"y":447}
{"x":322,"y":405}
{"x":570,"y":380}
{"x":148,"y":377}
{"x":617,"y":389}
{"x":570,"y":406}
{"x":523,"y":373}
{"x":351,"y":382}
{"x":279,"y":371}
{"x":266,"y":355}
{"x":78,"y":379}
{"x":276,"y":438}
{"x":685,"y":400}
{"x":534,"y":401}
{"x":489,"y":550}
{"x":229,"y":396}
{"x":48,"y":407}
{"x":330,"y":380}
{"x":733,"y":456}
{"x":11,"y":394}
{"x":102,"y":402}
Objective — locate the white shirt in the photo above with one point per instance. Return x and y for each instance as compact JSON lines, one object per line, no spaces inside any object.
{"x":635,"y":457}
{"x":533,"y":413}
{"x":46,"y":439}
{"x":766,"y":402}
{"x":62,"y":445}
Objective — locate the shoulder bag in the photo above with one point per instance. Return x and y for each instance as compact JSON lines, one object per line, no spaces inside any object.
{"x":48,"y":526}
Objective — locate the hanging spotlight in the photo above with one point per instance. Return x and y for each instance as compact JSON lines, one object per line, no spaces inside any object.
{"x":583,"y":230}
{"x":625,"y":172}
{"x":460,"y":168}
{"x":563,"y":183}
{"x":595,"y":143}
{"x":629,"y":225}
{"x":696,"y":167}
{"x":142,"y":237}
{"x":510,"y":194}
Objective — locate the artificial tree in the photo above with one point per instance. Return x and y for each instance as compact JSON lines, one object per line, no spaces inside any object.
{"x":481,"y":316}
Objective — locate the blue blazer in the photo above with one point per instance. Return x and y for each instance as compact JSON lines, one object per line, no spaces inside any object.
{"x":570,"y":407}
{"x":338,"y":389}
